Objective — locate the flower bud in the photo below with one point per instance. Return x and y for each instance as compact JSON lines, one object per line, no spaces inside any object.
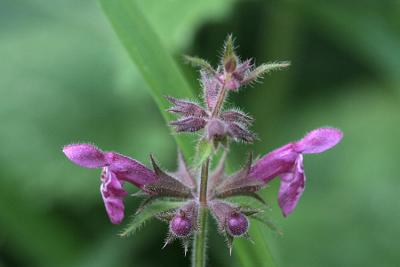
{"x":237,"y":224}
{"x":230,"y":64}
{"x":181,"y":225}
{"x":229,"y":57}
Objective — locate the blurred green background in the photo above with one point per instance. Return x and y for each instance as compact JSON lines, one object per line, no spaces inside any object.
{"x":65,"y":77}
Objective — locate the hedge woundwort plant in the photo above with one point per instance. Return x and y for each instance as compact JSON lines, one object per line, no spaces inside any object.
{"x":184,"y":198}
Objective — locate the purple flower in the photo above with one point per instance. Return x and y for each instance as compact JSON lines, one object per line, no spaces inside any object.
{"x":116,"y":169}
{"x":287,"y":162}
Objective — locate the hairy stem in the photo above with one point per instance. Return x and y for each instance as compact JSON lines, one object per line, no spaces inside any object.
{"x":220,"y":101}
{"x":200,"y":238}
{"x":203,"y":183}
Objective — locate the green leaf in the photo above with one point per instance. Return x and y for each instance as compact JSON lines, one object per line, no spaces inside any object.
{"x":261,"y":217}
{"x":149,"y":212}
{"x":379,"y":46}
{"x":56,"y":242}
{"x":257,"y":254}
{"x":156,"y":65}
{"x":178,"y":31}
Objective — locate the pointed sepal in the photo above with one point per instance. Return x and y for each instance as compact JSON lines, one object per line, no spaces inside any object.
{"x":263,"y":69}
{"x":165,"y":185}
{"x":199,"y":63}
{"x":239,"y":184}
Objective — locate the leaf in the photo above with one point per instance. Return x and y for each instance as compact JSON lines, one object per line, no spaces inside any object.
{"x":149,"y":212}
{"x":56,"y":242}
{"x":261,"y":217}
{"x":257,"y":254}
{"x":382,"y":55}
{"x":178,"y":31}
{"x":156,"y":65}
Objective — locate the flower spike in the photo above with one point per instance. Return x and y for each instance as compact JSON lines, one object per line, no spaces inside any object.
{"x":183,"y":198}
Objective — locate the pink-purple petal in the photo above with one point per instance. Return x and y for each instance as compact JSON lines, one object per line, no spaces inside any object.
{"x":291,"y":187}
{"x":113,"y":193}
{"x":85,"y":155}
{"x":319,"y":140}
{"x":274,"y":163}
{"x":129,"y":170}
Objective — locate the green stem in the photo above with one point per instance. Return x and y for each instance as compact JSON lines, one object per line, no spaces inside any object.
{"x":200,"y":238}
{"x":204,"y":182}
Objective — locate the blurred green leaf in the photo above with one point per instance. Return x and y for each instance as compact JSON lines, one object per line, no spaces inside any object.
{"x":365,"y":33}
{"x":349,"y":186}
{"x":150,"y":56}
{"x":33,"y":234}
{"x":257,"y":253}
{"x":266,"y":220}
{"x":178,"y":28}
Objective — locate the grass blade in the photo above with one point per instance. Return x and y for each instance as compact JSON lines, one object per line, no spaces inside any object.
{"x":156,"y":65}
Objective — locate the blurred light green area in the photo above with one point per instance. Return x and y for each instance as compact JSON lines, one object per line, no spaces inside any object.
{"x":64,"y":77}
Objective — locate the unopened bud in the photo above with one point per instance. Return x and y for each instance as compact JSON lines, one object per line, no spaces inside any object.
{"x":237,"y":224}
{"x":181,"y":225}
{"x":230,"y":64}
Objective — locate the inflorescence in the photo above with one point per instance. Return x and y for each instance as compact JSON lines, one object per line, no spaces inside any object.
{"x":218,"y":126}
